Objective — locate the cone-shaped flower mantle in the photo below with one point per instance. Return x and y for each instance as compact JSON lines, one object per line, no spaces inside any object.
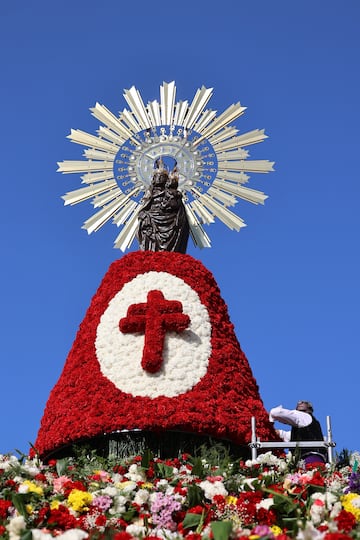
{"x":156,"y":351}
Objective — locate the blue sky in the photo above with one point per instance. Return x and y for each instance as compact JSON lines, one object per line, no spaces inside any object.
{"x":290,"y":279}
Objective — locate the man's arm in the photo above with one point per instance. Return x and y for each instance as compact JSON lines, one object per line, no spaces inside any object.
{"x":290,"y":417}
{"x":284,"y":435}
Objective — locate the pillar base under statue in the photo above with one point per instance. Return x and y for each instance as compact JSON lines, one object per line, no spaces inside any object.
{"x":164,"y":445}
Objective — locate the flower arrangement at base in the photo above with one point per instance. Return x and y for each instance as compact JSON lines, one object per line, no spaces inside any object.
{"x":155,"y":352}
{"x":191,"y":498}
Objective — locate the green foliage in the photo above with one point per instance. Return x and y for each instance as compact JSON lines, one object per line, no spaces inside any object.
{"x":221,"y":529}
{"x":163,"y":470}
{"x":343,"y":458}
{"x":195,"y":495}
{"x":192,"y":520}
{"x":198,"y":468}
{"x":146,"y":458}
{"x":27,"y":535}
{"x":62,"y":466}
{"x":20,"y":500}
{"x":217,"y":455}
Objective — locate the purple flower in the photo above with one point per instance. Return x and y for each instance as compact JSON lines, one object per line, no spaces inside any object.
{"x":103,"y":502}
{"x":162,"y":509}
{"x":262,"y":530}
{"x":354,"y":483}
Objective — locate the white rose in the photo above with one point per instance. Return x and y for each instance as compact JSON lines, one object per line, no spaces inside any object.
{"x":6,"y":462}
{"x":31,"y":467}
{"x":119,"y":505}
{"x":265,"y":503}
{"x":309,"y":533}
{"x":111,"y":491}
{"x":15,"y":527}
{"x":136,"y":530}
{"x":336,"y":509}
{"x":165,"y":534}
{"x":213,"y":488}
{"x":37,"y":534}
{"x":141,"y":497}
{"x":73,"y":534}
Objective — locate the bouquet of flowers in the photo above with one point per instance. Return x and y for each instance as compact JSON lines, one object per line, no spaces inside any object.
{"x":192,"y":498}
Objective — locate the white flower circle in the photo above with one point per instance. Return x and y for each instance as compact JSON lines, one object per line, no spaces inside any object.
{"x":185,"y":355}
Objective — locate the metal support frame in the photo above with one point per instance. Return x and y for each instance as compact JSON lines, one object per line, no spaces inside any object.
{"x":327,"y":443}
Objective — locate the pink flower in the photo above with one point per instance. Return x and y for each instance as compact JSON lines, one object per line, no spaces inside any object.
{"x":214,"y":479}
{"x":59,"y":483}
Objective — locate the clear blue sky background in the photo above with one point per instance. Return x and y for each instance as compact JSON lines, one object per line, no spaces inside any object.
{"x":290,"y":279}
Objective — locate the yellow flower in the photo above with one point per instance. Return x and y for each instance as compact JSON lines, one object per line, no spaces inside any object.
{"x":29,"y":508}
{"x":351,"y":503}
{"x":287,"y":484}
{"x":147,"y":485}
{"x":124,"y":483}
{"x":54,"y":505}
{"x":79,"y":500}
{"x":276,"y":529}
{"x":33,"y":488}
{"x":230,"y":499}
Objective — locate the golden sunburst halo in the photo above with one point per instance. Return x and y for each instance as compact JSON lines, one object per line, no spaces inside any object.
{"x":209,"y":154}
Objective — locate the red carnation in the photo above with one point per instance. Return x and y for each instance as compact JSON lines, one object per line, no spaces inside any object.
{"x":60,"y":518}
{"x":123,"y":535}
{"x":100,"y":520}
{"x":346,"y":521}
{"x":4,"y":507}
{"x":336,"y":536}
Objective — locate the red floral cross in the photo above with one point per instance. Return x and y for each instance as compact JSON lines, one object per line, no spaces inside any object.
{"x":154,"y":317}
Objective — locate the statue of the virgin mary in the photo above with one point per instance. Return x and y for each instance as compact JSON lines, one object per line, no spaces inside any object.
{"x":163,"y":224}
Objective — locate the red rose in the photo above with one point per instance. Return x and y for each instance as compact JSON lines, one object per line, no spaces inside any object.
{"x":346,"y":521}
{"x":4,"y":507}
{"x":123,"y":535}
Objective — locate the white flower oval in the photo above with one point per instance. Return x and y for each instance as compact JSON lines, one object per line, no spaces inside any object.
{"x":185,"y":355}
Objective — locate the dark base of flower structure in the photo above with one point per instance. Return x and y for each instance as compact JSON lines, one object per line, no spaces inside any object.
{"x":165,"y":445}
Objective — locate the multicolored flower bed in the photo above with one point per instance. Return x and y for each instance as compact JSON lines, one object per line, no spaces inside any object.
{"x":188,"y":497}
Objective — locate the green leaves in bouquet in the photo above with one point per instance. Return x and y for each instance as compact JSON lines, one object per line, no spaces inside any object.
{"x":146,"y":459}
{"x":20,"y":500}
{"x":192,"y":520}
{"x":27,"y":535}
{"x":195,"y":495}
{"x":164,"y":471}
{"x":197,"y":467}
{"x":221,"y":529}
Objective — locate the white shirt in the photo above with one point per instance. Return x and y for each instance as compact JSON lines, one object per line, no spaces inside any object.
{"x":290,"y":417}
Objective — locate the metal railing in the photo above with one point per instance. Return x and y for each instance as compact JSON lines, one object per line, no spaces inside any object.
{"x":327,"y":443}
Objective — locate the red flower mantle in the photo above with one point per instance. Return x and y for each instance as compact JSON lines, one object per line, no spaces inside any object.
{"x":84,"y":403}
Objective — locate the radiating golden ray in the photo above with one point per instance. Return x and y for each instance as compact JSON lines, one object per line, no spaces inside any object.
{"x":167,"y":98}
{"x":210,"y":156}
{"x":83,"y":194}
{"x":90,"y":178}
{"x":127,"y":234}
{"x":248,"y":194}
{"x":260,"y":166}
{"x":199,"y":236}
